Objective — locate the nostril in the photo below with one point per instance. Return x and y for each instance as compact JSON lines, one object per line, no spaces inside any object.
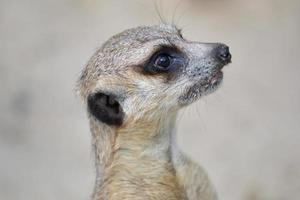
{"x":224,"y":54}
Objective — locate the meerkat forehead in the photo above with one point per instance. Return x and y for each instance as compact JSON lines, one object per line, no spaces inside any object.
{"x":133,"y":46}
{"x":141,"y":35}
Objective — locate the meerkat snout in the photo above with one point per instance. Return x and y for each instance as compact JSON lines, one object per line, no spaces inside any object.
{"x":133,"y":87}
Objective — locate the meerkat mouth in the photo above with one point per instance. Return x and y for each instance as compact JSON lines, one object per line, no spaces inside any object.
{"x":202,"y":88}
{"x":216,"y":78}
{"x":211,"y":84}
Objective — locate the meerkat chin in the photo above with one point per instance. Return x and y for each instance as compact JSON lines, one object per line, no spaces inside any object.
{"x":133,"y":87}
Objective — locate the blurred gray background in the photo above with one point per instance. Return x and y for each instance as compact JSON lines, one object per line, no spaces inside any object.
{"x":246,"y":134}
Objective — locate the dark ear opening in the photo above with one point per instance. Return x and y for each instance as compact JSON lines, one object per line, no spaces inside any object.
{"x":105,"y":108}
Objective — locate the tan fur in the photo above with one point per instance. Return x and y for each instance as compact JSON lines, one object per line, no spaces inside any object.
{"x":139,"y":159}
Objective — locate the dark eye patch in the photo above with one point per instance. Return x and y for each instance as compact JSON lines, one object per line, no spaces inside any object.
{"x":105,"y":108}
{"x":167,"y":60}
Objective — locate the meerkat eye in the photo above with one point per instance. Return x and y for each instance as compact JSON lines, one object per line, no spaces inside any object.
{"x":162,"y":61}
{"x":167,"y":59}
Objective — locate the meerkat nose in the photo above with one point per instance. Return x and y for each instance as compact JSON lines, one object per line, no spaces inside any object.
{"x":223,"y":53}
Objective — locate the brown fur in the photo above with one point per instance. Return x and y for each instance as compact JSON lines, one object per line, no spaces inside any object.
{"x":139,"y":159}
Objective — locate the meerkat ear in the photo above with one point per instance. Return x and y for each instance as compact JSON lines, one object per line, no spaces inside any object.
{"x":105,"y":108}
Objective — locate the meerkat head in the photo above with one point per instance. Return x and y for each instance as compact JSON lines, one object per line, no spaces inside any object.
{"x":146,"y":72}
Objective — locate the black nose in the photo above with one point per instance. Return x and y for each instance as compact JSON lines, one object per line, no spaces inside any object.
{"x":223,"y":53}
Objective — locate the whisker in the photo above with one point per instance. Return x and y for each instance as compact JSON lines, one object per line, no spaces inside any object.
{"x":159,"y":12}
{"x":174,"y":12}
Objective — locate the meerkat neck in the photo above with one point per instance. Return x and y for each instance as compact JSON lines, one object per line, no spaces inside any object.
{"x":147,"y":135}
{"x":148,"y":138}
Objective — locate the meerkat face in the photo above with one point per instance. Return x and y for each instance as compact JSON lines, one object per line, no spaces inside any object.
{"x":148,"y":71}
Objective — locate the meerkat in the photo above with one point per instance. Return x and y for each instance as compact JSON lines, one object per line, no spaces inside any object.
{"x":133,"y":87}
